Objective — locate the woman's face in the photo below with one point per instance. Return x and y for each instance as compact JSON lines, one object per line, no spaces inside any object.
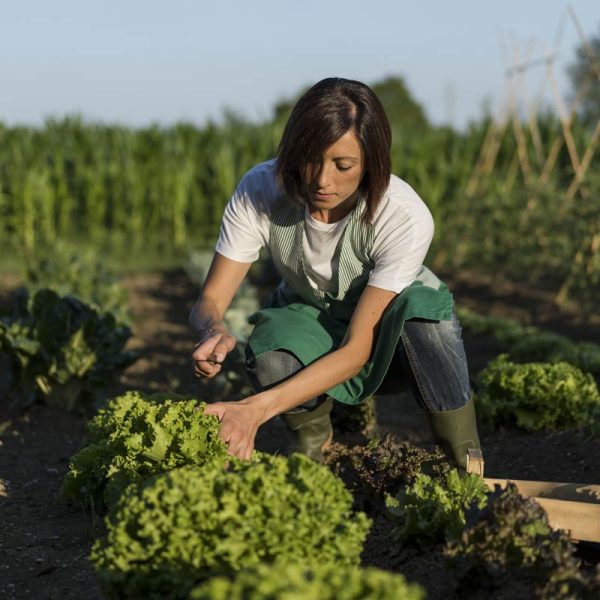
{"x":332,"y":189}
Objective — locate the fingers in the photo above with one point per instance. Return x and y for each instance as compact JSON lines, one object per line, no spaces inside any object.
{"x":241,"y":450}
{"x":209,"y":353}
{"x":239,"y":443}
{"x":238,"y":427}
{"x":216,"y":409}
{"x":206,"y":369}
{"x":202,"y":350}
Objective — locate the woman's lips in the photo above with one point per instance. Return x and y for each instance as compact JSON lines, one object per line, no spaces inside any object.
{"x":320,"y":196}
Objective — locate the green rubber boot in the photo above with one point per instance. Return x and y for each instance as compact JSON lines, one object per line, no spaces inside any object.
{"x":455,"y":431}
{"x":310,"y":430}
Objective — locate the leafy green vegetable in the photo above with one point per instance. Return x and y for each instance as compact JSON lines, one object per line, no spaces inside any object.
{"x":535,"y":396}
{"x":188,"y":525}
{"x":62,"y":350}
{"x":381,"y":467}
{"x":554,"y":348}
{"x":318,"y":582}
{"x":530,"y":344}
{"x":136,"y":437}
{"x":431,"y":510}
{"x":83,"y":275}
{"x":509,"y":541}
{"x":504,"y":330}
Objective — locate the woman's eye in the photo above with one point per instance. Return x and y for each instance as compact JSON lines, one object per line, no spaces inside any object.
{"x":342,"y":168}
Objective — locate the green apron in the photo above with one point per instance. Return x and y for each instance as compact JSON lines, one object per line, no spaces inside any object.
{"x":311,"y":323}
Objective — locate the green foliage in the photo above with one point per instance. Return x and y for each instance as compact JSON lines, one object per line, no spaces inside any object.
{"x":554,"y":348}
{"x":80,"y":274}
{"x":536,"y":396}
{"x":584,"y":74}
{"x":531,"y":344}
{"x":62,"y":350}
{"x":112,"y":186}
{"x":136,"y":437}
{"x":188,"y":525}
{"x":431,"y":510}
{"x":381,"y":467}
{"x":403,"y":111}
{"x":509,"y":541}
{"x":504,"y":330}
{"x":164,"y":189}
{"x":318,"y":582}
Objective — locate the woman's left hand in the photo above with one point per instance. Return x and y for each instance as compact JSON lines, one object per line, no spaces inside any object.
{"x":239,"y":423}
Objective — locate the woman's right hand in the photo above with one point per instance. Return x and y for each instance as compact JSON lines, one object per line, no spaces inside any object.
{"x":209,"y":353}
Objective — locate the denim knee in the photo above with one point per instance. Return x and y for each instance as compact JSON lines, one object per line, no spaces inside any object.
{"x":432,"y":353}
{"x":271,"y":368}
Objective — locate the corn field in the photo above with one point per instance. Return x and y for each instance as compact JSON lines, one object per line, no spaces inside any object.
{"x":164,"y":189}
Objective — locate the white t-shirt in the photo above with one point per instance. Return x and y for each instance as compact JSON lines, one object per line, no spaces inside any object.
{"x":403,"y":229}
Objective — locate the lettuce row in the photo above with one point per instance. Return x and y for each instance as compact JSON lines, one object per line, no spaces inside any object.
{"x":187,"y":525}
{"x":508,"y":544}
{"x":136,"y":437}
{"x":530,"y":344}
{"x":433,"y":510}
{"x":537,"y":396}
{"x":319,"y":582}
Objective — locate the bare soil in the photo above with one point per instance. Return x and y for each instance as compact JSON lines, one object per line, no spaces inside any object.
{"x":44,"y":543}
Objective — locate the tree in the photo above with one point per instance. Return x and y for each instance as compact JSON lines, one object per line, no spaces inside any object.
{"x":403,"y":111}
{"x":585,"y":72}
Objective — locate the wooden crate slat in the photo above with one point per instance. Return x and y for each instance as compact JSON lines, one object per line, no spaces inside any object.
{"x":575,"y":492}
{"x":574,"y":507}
{"x":580,"y":520}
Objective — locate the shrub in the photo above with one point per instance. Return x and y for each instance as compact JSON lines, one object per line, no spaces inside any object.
{"x":536,"y":396}
{"x":62,"y":350}
{"x":509,"y":542}
{"x":136,"y":437}
{"x":431,"y":510}
{"x":319,"y":582}
{"x":188,"y":525}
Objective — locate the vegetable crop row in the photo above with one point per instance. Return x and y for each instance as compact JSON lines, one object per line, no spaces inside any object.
{"x":164,"y":188}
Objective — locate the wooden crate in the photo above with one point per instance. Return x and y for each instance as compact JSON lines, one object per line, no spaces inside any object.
{"x":573,"y":507}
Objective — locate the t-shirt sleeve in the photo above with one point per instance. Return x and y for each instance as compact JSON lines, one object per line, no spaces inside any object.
{"x":403,"y":232}
{"x":245,"y":223}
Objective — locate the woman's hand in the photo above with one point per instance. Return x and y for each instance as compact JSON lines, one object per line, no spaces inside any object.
{"x":239,"y":423}
{"x":211,"y":352}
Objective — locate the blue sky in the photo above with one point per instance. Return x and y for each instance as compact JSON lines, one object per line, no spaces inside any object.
{"x":137,"y":62}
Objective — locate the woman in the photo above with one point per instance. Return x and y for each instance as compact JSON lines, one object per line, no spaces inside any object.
{"x":349,"y":240}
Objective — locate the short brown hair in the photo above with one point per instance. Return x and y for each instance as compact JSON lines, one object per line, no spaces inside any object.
{"x":322,"y":116}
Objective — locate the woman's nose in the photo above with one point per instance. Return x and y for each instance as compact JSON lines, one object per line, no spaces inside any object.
{"x":324,"y":178}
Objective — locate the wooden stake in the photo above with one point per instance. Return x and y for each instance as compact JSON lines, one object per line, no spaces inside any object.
{"x":585,"y":163}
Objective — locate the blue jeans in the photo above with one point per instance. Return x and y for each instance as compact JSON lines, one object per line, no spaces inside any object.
{"x":430,"y":355}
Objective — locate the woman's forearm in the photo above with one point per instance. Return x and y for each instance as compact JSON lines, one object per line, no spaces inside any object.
{"x":222,"y":281}
{"x":205,"y":317}
{"x":312,"y":381}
